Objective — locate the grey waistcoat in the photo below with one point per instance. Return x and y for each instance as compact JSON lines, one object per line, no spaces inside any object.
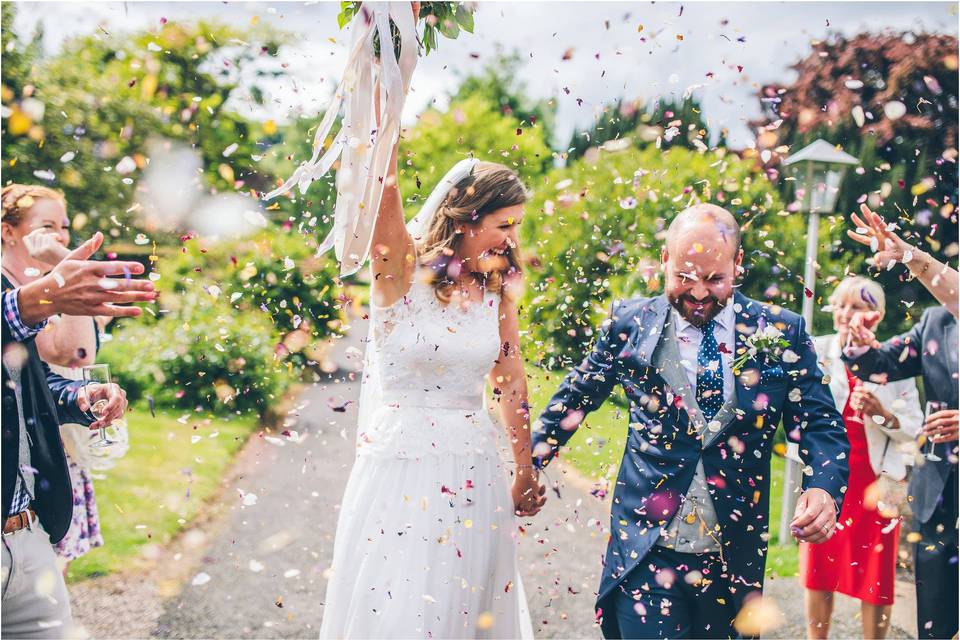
{"x":694,"y":528}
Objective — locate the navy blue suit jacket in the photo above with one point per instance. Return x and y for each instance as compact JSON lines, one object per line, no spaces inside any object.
{"x":929,"y":349}
{"x":660,"y":456}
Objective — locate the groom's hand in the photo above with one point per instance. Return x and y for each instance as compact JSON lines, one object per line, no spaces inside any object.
{"x":815,"y":517}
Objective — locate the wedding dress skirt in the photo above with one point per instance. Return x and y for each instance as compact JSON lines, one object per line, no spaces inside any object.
{"x":426,"y":542}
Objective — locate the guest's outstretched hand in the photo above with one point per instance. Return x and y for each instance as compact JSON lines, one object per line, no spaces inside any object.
{"x":872,"y":231}
{"x":860,"y":330}
{"x":78,"y":286}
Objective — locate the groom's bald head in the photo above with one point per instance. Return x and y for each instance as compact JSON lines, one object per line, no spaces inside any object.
{"x":705,"y":222}
{"x":701,"y":258}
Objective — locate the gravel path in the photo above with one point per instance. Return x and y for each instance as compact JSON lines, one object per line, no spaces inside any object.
{"x":254,"y":568}
{"x":266,"y":564}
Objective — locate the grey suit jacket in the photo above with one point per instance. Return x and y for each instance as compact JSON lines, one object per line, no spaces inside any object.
{"x":929,"y":349}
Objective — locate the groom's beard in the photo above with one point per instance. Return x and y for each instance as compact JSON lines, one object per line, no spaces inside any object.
{"x":697,"y":312}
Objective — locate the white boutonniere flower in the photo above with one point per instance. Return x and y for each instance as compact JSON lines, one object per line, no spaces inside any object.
{"x":767,"y":340}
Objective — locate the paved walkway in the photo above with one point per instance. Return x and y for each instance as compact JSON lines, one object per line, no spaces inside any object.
{"x":255,"y":568}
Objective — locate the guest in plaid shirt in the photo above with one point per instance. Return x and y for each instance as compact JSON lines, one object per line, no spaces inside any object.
{"x":37,"y":496}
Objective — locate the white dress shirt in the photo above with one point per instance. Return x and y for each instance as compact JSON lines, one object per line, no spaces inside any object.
{"x":688,"y":341}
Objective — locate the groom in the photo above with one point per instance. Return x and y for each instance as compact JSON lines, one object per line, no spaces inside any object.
{"x":688,"y":527}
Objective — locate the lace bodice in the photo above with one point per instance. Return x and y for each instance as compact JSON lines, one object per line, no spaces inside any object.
{"x":429,"y":370}
{"x":434,"y":354}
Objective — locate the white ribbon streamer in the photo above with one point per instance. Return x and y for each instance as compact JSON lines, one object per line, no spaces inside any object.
{"x":363,"y":148}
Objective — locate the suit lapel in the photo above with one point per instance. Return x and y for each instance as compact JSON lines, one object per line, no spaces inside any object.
{"x":746,"y":313}
{"x":650,"y":323}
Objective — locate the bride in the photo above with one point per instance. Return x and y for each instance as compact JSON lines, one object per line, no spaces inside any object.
{"x":426,"y":540}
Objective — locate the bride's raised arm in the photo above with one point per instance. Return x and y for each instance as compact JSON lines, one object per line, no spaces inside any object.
{"x":392,"y":257}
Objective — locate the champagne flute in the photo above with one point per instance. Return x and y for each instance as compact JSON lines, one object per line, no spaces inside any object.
{"x":858,"y":414}
{"x":932,"y":407}
{"x":100,"y":374}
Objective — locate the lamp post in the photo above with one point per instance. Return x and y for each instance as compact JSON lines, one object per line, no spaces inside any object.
{"x":819,"y":169}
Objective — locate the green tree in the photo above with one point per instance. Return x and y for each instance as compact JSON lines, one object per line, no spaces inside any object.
{"x":275,"y":273}
{"x":672,"y":122}
{"x":470,"y":127}
{"x":83,"y":117}
{"x":889,"y":99}
{"x":498,"y":83}
{"x":594,"y":232}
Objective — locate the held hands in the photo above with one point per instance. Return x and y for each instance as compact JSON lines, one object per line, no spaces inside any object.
{"x":527,"y":491}
{"x":46,"y":246}
{"x":888,"y":248}
{"x":107,"y":401}
{"x":942,"y":426}
{"x":815,"y":517}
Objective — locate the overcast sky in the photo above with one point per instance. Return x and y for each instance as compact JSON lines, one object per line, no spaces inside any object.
{"x":611,"y":55}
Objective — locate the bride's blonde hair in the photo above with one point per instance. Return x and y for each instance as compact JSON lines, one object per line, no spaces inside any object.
{"x":488,"y":188}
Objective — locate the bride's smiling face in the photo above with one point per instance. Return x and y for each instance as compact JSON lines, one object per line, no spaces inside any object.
{"x":484,"y":245}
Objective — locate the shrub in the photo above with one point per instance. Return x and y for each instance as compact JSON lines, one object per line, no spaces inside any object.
{"x":275,"y":274}
{"x":205,"y":355}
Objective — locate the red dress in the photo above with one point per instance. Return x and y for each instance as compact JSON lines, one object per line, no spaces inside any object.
{"x":859,"y":560}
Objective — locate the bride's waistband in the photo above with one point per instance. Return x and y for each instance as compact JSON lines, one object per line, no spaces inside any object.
{"x":439,"y":401}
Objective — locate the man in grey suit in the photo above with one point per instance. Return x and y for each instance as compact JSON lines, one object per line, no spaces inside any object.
{"x":929,"y":349}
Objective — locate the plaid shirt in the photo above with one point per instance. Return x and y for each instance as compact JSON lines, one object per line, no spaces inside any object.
{"x":21,"y":497}
{"x":21,"y":332}
{"x":11,"y":314}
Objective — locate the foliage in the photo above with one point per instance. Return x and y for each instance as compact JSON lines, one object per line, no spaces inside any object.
{"x":473,"y":126}
{"x":498,"y":82}
{"x":596,"y":228}
{"x":445,"y":18}
{"x":275,"y":274}
{"x":667,"y":123}
{"x":81,"y":120}
{"x":889,"y":99}
{"x":205,"y":356}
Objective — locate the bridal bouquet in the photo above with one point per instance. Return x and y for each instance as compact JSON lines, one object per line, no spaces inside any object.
{"x":372,"y":91}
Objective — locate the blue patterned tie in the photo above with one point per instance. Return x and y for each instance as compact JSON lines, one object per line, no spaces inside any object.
{"x":709,"y":378}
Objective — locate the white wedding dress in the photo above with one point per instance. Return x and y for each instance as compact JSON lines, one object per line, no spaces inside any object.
{"x":426,"y":543}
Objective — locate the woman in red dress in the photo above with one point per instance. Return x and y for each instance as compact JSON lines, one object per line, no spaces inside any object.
{"x":860,"y":559}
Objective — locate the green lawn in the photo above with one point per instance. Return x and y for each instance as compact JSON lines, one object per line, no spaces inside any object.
{"x":596,"y":449}
{"x":174,"y":464}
